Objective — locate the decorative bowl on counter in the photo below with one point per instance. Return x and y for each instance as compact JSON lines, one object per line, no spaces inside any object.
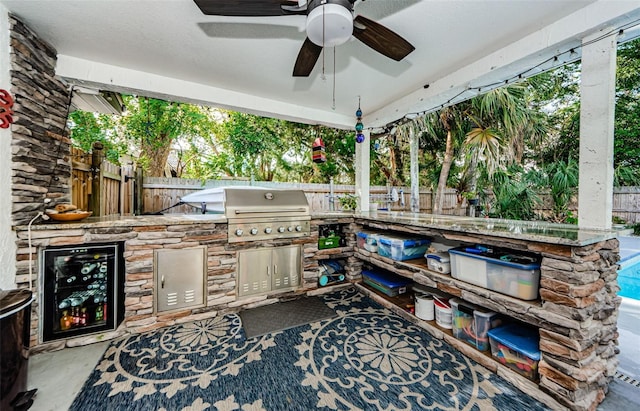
{"x":70,"y":216}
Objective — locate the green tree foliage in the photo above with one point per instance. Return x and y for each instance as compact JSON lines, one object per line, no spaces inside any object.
{"x":559,"y":94}
{"x":269,"y":149}
{"x":154,"y":125}
{"x":514,"y":195}
{"x":487,"y":132}
{"x":87,"y":128}
{"x":211,"y":143}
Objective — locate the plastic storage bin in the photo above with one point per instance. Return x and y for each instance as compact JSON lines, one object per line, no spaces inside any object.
{"x":400,"y":248}
{"x":332,"y":241}
{"x":443,"y":312}
{"x":472,"y":323}
{"x":388,"y":283}
{"x":517,"y":347}
{"x":498,"y":270}
{"x":425,"y":308}
{"x":367,"y":241}
{"x":439,"y":262}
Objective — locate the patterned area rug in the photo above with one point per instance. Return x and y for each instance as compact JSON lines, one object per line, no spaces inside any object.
{"x":365,"y":358}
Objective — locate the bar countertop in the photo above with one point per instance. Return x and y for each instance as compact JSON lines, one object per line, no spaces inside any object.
{"x":538,"y":231}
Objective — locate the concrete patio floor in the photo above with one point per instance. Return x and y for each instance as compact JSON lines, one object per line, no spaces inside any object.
{"x":60,"y":375}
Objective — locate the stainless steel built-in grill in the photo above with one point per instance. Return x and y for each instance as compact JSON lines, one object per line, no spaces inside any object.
{"x":262,"y":214}
{"x":256,"y":213}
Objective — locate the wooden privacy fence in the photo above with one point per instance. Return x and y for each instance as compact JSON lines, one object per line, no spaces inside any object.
{"x":160,"y":193}
{"x":98,"y":185}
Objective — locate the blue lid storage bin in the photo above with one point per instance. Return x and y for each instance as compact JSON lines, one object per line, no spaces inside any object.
{"x":400,"y":248}
{"x":504,"y":271}
{"x":517,"y":347}
{"x":388,"y":283}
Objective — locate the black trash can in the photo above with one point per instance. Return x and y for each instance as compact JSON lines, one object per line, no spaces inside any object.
{"x":15,"y":324}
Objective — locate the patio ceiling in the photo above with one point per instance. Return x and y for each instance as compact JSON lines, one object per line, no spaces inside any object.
{"x":169,"y":49}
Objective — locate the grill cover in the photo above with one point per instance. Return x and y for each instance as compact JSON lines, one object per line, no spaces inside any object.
{"x":250,"y":201}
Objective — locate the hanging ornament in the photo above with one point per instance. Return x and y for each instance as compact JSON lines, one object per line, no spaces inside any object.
{"x":318,"y":154}
{"x":359,"y":125}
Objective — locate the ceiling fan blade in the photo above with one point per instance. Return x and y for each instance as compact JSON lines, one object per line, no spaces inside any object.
{"x":381,"y":39}
{"x":250,"y":8}
{"x":307,"y":58}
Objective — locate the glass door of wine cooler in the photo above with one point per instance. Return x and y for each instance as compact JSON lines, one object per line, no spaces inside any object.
{"x":82,"y":290}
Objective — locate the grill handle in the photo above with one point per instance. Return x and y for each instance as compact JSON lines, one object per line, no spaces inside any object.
{"x":282,"y":210}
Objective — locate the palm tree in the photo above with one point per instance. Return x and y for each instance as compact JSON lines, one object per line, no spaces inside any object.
{"x":489,"y":129}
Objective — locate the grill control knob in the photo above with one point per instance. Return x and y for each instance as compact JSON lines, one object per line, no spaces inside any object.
{"x":239,"y":232}
{"x":290,"y":228}
{"x":254,"y":231}
{"x":281,"y":229}
{"x":298,"y":228}
{"x":267,"y":230}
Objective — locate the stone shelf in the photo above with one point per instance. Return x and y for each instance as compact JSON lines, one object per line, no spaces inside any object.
{"x":483,"y":358}
{"x":417,"y":270}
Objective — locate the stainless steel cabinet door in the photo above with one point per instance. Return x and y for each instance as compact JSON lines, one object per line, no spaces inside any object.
{"x":254,"y":271}
{"x":286,"y":267}
{"x":180,"y":278}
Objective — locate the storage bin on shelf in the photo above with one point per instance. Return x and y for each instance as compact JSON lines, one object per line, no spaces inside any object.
{"x":439,"y":262}
{"x":472,"y":323}
{"x":402,"y":248}
{"x":443,"y":312}
{"x":504,"y":271}
{"x":517,"y":347}
{"x":367,"y":241}
{"x":332,"y":241}
{"x":388,"y":283}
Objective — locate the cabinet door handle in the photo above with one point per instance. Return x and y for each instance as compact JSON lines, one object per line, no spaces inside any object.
{"x":275,"y":269}
{"x":162,"y":282}
{"x":268,"y":270}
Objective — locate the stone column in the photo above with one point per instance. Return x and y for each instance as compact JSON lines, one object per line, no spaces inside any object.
{"x":597,"y":97}
{"x":579,"y":354}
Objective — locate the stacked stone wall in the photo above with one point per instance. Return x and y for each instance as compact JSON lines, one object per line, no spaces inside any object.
{"x":579,"y":359}
{"x":40,"y":150}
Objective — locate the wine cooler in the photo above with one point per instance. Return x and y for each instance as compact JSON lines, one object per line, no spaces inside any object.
{"x":83,"y":290}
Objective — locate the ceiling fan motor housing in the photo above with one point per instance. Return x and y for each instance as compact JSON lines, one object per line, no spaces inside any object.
{"x":329,"y":22}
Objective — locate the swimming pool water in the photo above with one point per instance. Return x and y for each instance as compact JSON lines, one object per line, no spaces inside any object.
{"x":629,"y":271}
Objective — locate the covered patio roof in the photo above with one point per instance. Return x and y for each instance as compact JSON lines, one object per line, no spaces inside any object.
{"x":169,"y":49}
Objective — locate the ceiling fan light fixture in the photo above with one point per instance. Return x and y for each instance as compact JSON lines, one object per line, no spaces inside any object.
{"x":329,"y":25}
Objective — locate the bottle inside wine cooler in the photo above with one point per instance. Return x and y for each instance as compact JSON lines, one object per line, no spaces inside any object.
{"x":65,"y":321}
{"x":99,"y":315}
{"x":84,"y":317}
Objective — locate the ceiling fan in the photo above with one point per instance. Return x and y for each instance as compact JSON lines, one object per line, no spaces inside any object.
{"x":329,"y":23}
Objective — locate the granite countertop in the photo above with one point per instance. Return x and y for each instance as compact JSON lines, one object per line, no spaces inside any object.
{"x":538,"y":231}
{"x":126,"y":221}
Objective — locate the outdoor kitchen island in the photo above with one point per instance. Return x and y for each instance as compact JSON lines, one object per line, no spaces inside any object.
{"x":576,"y":313}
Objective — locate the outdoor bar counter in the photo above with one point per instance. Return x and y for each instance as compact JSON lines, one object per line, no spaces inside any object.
{"x":576,"y":312}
